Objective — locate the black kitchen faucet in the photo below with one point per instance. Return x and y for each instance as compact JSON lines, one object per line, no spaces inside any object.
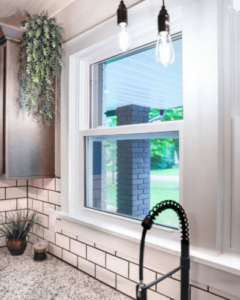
{"x":184,"y":260}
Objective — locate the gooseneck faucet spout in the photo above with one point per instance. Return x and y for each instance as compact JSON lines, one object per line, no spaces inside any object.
{"x":185,"y":259}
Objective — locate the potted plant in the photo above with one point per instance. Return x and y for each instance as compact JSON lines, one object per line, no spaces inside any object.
{"x":16,"y":229}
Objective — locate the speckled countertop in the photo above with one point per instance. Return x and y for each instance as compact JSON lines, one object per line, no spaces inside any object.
{"x":23,"y":278}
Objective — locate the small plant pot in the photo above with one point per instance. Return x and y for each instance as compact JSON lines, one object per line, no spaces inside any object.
{"x":16,"y":246}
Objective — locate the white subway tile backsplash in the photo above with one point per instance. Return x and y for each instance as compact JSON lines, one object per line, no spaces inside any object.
{"x":93,"y":259}
{"x":22,"y":182}
{"x":32,"y":192}
{"x":78,"y":248}
{"x":169,"y":287}
{"x":2,"y":217}
{"x":117,"y":265}
{"x":197,"y":294}
{"x":73,"y":236}
{"x":12,"y":215}
{"x":126,"y":286}
{"x":105,"y":249}
{"x":70,"y":258}
{"x":38,"y":230}
{"x":58,"y":208}
{"x":106,"y":276}
{"x":42,"y":195}
{"x":46,"y":207}
{"x":155,"y":296}
{"x":30,"y":203}
{"x":37,"y":206}
{"x":55,"y":250}
{"x":192,"y":282}
{"x":49,"y":235}
{"x":96,"y":256}
{"x":32,"y":238}
{"x":128,"y":258}
{"x":222,"y":294}
{"x":63,"y":241}
{"x":16,"y":192}
{"x":148,"y":275}
{"x":86,"y":266}
{"x":90,"y":243}
{"x":58,"y":184}
{"x":2,"y":193}
{"x":58,"y":226}
{"x":55,"y":197}
{"x":37,"y":183}
{"x":8,"y":183}
{"x":7,"y":205}
{"x":49,"y":183}
{"x":1,"y":234}
{"x":22,"y":203}
{"x":43,"y":220}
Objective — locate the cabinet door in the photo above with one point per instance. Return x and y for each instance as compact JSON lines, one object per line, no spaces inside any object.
{"x":29,"y":140}
{"x":1,"y":109}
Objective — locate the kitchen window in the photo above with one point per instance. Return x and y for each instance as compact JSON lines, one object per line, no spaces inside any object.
{"x":129,"y":173}
{"x":205,"y":155}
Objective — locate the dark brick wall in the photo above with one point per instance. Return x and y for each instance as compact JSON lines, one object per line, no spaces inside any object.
{"x":133,"y":164}
{"x":132,"y":114}
{"x":99,"y":201}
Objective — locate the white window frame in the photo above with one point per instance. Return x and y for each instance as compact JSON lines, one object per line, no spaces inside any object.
{"x":206,"y":193}
{"x":230,"y":82}
{"x":96,"y":218}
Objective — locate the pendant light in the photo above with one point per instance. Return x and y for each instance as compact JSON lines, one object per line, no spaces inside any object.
{"x":123,"y":37}
{"x":164,"y":50}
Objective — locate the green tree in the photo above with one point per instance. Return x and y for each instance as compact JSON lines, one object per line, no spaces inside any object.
{"x":162,"y":150}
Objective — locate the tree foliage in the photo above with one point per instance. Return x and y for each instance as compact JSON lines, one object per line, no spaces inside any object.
{"x":162,"y":150}
{"x":40,"y":61}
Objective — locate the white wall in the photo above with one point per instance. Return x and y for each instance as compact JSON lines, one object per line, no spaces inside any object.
{"x":236,"y":5}
{"x":82,"y":15}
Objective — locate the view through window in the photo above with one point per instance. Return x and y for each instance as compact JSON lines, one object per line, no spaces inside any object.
{"x":129,"y":174}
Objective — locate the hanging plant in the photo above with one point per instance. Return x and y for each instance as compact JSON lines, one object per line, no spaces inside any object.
{"x":40,"y":62}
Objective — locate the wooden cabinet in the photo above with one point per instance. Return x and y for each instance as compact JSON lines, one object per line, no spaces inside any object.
{"x":27,"y":143}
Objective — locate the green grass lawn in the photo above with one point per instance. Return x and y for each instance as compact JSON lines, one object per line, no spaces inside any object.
{"x":159,"y":191}
{"x":166,"y":172}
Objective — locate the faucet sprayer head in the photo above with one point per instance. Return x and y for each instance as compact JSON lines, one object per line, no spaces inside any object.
{"x":147,"y":223}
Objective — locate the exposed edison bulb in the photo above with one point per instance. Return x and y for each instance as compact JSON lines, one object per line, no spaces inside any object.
{"x":123,"y":37}
{"x":164,"y":50}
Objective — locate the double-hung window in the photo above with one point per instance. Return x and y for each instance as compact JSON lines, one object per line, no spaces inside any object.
{"x":133,"y":146}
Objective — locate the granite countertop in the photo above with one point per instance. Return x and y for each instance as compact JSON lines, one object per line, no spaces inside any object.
{"x":23,"y":278}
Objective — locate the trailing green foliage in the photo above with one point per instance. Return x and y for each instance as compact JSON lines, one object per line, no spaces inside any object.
{"x":40,"y":61}
{"x":18,"y":224}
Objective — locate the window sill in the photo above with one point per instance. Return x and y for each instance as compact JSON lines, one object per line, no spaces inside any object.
{"x":225,"y":262}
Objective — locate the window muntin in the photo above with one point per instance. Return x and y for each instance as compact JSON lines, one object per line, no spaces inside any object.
{"x":137,"y":79}
{"x":129,"y":174}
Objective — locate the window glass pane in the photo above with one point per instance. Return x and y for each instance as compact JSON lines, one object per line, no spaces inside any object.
{"x":129,"y":174}
{"x":134,"y":88}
